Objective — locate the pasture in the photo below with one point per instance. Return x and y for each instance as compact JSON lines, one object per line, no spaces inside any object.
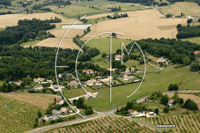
{"x":188,"y":8}
{"x":157,"y":81}
{"x":139,"y":25}
{"x":105,"y":124}
{"x":38,"y":100}
{"x":16,"y":117}
{"x":184,"y":123}
{"x":193,"y":40}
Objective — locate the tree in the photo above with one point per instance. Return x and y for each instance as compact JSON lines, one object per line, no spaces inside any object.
{"x":39,"y":113}
{"x":186,"y":60}
{"x":103,"y":55}
{"x":199,"y":20}
{"x":166,"y":109}
{"x":181,"y":101}
{"x":156,"y":111}
{"x":194,"y":67}
{"x":191,"y":105}
{"x":173,"y":87}
{"x":164,"y":99}
{"x":178,"y":26}
{"x":189,"y":21}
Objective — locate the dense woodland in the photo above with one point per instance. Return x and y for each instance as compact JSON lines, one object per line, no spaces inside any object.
{"x":5,"y":2}
{"x":27,"y":29}
{"x":175,"y":50}
{"x":187,"y":31}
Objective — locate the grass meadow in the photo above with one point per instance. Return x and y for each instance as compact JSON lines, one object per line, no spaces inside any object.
{"x":157,"y":81}
{"x":193,"y":40}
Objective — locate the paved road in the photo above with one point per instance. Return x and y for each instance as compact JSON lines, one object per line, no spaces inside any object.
{"x":111,"y":113}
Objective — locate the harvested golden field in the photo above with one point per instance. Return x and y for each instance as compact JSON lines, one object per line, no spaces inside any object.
{"x":59,"y":32}
{"x":38,"y":100}
{"x":139,"y":25}
{"x":193,"y":97}
{"x":12,"y":20}
{"x":188,"y":8}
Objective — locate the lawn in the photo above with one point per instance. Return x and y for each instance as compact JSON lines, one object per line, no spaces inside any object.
{"x":153,"y":82}
{"x":16,"y":117}
{"x":193,"y":40}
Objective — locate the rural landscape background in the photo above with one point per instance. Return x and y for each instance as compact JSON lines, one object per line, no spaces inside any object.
{"x":33,"y":67}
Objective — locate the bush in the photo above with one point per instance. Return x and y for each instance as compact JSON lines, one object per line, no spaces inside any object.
{"x":166,"y":109}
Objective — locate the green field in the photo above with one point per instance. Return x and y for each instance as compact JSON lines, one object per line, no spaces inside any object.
{"x":94,"y":2}
{"x":153,"y":82}
{"x":103,"y":44}
{"x":1,"y":82}
{"x":30,"y":43}
{"x":193,"y":40}
{"x":16,"y":117}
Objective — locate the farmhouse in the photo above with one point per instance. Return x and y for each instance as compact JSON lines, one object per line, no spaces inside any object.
{"x":170,"y":103}
{"x":64,"y":110}
{"x":98,"y":83}
{"x":89,"y":71}
{"x":126,"y":77}
{"x":39,"y":80}
{"x":91,"y":82}
{"x":197,"y":52}
{"x":162,"y":60}
{"x":60,"y":102}
{"x":38,"y":87}
{"x":113,"y":69}
{"x":195,"y":16}
{"x":117,"y":57}
{"x":106,"y":79}
{"x":73,"y":84}
{"x":19,"y":82}
{"x":55,"y":112}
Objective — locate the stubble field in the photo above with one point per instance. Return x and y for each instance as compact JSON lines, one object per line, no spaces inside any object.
{"x":139,"y":25}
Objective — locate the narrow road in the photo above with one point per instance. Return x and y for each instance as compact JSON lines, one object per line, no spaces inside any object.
{"x":110,"y":113}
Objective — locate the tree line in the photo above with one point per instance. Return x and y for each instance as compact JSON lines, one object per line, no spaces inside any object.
{"x":25,"y":30}
{"x":5,"y":2}
{"x":175,"y":50}
{"x":142,"y":2}
{"x":88,"y":52}
{"x":187,"y":31}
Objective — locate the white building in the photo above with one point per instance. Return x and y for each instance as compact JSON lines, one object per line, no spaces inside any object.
{"x":38,"y":87}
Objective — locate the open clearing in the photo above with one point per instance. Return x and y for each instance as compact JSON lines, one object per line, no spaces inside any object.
{"x":188,"y":8}
{"x":38,"y":100}
{"x":139,"y":25}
